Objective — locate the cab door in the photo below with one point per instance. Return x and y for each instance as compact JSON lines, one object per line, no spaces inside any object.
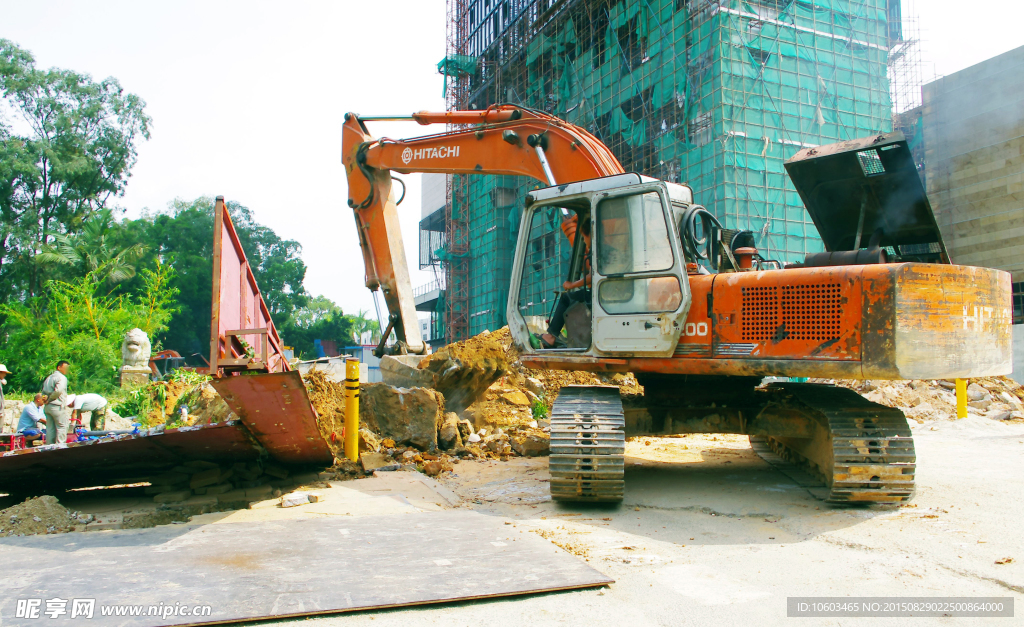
{"x":640,"y":291}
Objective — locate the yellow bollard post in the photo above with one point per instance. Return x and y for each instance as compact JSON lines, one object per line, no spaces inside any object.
{"x":352,"y":409}
{"x":961,"y":398}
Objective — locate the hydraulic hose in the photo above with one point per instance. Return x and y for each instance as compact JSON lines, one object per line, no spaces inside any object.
{"x":697,"y":248}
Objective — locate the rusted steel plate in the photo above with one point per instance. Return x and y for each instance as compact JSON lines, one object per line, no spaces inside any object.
{"x":278,"y":569}
{"x":238,"y":305}
{"x":952,"y":321}
{"x":124,"y":457}
{"x":276,"y":410}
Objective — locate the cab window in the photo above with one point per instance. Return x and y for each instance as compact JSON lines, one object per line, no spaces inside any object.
{"x":632,"y":235}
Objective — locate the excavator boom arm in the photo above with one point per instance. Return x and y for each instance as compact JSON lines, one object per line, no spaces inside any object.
{"x":500,"y":140}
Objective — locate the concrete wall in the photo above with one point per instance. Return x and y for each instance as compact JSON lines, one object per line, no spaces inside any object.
{"x":974,"y":156}
{"x":1018,"y":353}
{"x":433,"y":193}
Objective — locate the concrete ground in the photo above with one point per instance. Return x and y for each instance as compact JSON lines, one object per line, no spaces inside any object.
{"x":710,"y":534}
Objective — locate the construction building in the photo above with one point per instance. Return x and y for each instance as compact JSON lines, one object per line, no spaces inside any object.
{"x":429,"y":298}
{"x":713,"y":93}
{"x":973,"y":144}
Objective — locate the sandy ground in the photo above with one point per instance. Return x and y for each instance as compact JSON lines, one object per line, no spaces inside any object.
{"x":710,"y":534}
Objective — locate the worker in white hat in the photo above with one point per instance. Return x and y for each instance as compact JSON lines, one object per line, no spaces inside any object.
{"x":3,"y":381}
{"x":93,"y":403}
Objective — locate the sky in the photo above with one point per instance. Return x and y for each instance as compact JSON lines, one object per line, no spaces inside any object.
{"x":248,"y":98}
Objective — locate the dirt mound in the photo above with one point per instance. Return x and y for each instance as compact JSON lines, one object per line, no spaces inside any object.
{"x":998,"y":398}
{"x":523,"y":394}
{"x":39,"y":515}
{"x":205,"y":406}
{"x":328,"y":400}
{"x":488,"y":347}
{"x":503,"y":397}
{"x":463,"y":370}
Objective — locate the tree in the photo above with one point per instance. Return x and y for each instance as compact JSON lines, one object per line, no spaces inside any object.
{"x":319,"y":309}
{"x":79,"y":321}
{"x":320,"y":319}
{"x":70,"y":151}
{"x":92,"y":249}
{"x":362,"y":324}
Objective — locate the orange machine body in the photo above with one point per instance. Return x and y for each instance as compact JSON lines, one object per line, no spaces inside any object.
{"x":883,"y":321}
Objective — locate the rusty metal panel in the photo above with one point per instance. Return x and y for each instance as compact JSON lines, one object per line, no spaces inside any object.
{"x":952,"y":321}
{"x":239,"y":313}
{"x":124,"y":457}
{"x":254,"y":571}
{"x":806,"y":313}
{"x":276,"y":419}
{"x":276,"y":410}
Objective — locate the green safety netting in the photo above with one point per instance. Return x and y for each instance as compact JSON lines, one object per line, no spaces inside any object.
{"x":718,"y":99}
{"x":456,"y":65}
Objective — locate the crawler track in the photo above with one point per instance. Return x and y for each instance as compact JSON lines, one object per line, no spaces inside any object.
{"x":863,"y":451}
{"x":588,"y":444}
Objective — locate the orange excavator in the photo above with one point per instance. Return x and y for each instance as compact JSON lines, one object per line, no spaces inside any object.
{"x":660,"y":288}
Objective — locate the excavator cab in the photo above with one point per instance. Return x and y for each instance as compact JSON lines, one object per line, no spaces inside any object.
{"x":638,"y":294}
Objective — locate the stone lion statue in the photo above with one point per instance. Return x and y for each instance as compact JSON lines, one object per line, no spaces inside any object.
{"x":135,"y":350}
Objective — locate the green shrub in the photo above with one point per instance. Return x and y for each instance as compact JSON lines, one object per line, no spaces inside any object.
{"x":78,"y":321}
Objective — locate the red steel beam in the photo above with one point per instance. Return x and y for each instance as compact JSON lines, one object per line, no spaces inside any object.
{"x":239,"y":313}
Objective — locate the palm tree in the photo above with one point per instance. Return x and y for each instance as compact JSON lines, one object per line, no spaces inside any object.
{"x":91,"y":250}
{"x":362,"y":324}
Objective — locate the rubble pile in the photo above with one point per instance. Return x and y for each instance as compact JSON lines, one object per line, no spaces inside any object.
{"x":464,"y":370}
{"x":523,"y":394}
{"x":419,"y":428}
{"x":39,"y":515}
{"x":201,"y":403}
{"x":998,"y":398}
{"x":225,"y":485}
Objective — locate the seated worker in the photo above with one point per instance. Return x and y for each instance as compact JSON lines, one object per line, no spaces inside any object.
{"x":549,"y":339}
{"x":89,"y":402}
{"x":33,"y":414}
{"x":31,"y":417}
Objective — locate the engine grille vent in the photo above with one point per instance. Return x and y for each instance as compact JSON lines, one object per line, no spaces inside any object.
{"x":760,"y":312}
{"x":811,"y":312}
{"x":795,"y":312}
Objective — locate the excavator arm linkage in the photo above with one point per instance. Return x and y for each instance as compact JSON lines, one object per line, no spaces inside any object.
{"x":503,"y":139}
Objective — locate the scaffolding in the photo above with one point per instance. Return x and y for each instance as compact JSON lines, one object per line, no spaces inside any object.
{"x":713,"y":93}
{"x":456,"y":254}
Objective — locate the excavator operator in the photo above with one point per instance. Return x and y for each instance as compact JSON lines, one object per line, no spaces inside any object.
{"x":572,"y":294}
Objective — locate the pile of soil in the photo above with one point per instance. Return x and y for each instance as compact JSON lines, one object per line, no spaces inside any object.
{"x":39,"y":515}
{"x":507,"y":412}
{"x":205,"y":406}
{"x":502,"y":403}
{"x":486,"y":347}
{"x":997,"y":398}
{"x":328,"y":399}
{"x":464,"y":370}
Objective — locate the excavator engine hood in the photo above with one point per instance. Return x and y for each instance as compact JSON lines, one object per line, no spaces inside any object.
{"x":875,"y":176}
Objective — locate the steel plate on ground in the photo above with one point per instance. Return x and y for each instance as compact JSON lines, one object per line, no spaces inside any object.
{"x":122,"y":458}
{"x":261,"y":570}
{"x":276,"y":410}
